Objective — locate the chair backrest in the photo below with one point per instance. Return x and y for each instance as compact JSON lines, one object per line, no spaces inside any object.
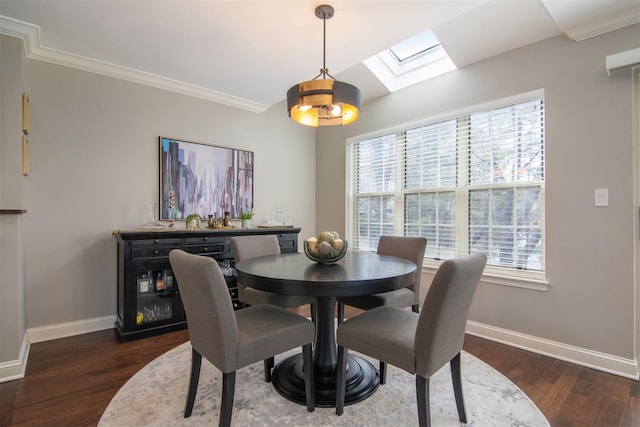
{"x":212,"y":322}
{"x":443,"y":318}
{"x":245,"y":247}
{"x":409,"y":248}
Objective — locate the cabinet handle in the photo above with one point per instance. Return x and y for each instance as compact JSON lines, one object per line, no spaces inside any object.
{"x":156,"y":252}
{"x":205,"y":238}
{"x":156,"y":241}
{"x":205,"y":249}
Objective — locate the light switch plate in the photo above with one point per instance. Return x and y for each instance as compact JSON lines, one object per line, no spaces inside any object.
{"x":602,"y":197}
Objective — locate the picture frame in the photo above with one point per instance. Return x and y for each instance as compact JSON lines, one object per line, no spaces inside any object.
{"x":197,"y":178}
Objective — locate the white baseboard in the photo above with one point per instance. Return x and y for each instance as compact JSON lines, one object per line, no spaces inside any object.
{"x":15,"y":369}
{"x":628,"y":368}
{"x":63,"y":330}
{"x":592,"y":359}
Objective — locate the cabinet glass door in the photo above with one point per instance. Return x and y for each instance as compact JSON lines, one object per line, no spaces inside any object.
{"x":154,"y":302}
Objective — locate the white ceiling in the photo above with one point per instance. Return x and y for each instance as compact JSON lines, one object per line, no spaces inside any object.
{"x":247,"y":53}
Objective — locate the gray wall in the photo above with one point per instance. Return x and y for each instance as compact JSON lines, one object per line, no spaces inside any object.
{"x":590,"y":265}
{"x":94,"y":169}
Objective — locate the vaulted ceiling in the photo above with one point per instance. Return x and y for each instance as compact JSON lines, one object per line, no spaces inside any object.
{"x":247,"y":53}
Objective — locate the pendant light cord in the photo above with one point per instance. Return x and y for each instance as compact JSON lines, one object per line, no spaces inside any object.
{"x":324,"y":47}
{"x":324,"y":72}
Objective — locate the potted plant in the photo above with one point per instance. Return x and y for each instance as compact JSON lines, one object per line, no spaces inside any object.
{"x":246,"y":218}
{"x":193,"y":222}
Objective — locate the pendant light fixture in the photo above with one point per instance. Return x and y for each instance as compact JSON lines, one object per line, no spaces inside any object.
{"x":326,"y":101}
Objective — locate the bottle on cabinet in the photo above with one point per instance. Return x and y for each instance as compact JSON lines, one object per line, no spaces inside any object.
{"x":160,"y":283}
{"x":168,"y":281}
{"x":144,"y":283}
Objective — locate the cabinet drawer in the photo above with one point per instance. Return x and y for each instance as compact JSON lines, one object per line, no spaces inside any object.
{"x":214,"y":246}
{"x":155,"y":242}
{"x":205,"y":240}
{"x":208,"y":249}
{"x":152,"y":252}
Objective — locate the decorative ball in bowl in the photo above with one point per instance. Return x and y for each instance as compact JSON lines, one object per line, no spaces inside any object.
{"x":326,"y":248}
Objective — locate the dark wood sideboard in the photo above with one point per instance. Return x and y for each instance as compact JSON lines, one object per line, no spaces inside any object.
{"x":149,"y":296}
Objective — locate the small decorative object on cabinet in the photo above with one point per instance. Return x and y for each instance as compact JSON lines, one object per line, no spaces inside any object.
{"x":247,"y":219}
{"x":149,"y":296}
{"x":193,"y":222}
{"x":227,"y":220}
{"x":152,"y":224}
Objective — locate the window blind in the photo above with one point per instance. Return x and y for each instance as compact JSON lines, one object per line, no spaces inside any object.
{"x":472,"y":182}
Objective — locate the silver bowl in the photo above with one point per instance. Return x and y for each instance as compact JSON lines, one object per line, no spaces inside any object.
{"x":338,"y":257}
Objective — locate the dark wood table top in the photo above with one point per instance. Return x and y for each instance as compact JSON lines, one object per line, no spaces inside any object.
{"x":358,"y":273}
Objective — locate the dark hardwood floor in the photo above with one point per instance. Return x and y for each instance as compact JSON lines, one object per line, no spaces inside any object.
{"x":70,"y":381}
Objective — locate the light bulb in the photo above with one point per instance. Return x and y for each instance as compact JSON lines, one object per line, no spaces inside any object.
{"x":336,"y":110}
{"x":304,"y":108}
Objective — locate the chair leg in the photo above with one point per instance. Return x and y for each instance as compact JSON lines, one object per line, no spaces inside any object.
{"x":415,"y":308}
{"x":309,"y":385}
{"x":196,"y":362}
{"x":228,"y":389}
{"x":340,"y":313}
{"x":268,"y":368}
{"x":422,"y":396}
{"x":383,"y":372}
{"x":341,"y":380}
{"x":456,"y":377}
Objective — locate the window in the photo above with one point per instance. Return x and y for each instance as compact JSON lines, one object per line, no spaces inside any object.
{"x":473,"y":182}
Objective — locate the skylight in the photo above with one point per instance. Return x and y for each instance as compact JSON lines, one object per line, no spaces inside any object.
{"x":416,"y":59}
{"x":414,"y":46}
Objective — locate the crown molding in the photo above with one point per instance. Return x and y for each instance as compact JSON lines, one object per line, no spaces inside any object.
{"x":612,"y":22}
{"x":30,"y":34}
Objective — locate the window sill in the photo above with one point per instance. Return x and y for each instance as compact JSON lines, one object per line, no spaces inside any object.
{"x":497,"y":279}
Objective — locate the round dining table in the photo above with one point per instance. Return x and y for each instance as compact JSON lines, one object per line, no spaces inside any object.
{"x":358,"y":273}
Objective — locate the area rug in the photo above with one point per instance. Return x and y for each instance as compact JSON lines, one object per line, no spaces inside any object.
{"x":155,"y":396}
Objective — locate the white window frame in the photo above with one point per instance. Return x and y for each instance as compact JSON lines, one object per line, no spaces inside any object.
{"x":535,"y":280}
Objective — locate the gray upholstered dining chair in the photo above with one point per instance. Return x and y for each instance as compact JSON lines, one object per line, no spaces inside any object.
{"x":406,"y":247}
{"x":232,"y":339}
{"x":418,"y":343}
{"x":245,"y":247}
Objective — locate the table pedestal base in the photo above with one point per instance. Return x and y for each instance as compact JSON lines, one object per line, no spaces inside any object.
{"x":362,"y":381}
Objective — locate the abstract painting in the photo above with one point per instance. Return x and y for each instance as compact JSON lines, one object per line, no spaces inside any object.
{"x":204,"y":179}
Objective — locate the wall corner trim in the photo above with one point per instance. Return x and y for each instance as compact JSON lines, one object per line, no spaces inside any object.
{"x":15,"y":369}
